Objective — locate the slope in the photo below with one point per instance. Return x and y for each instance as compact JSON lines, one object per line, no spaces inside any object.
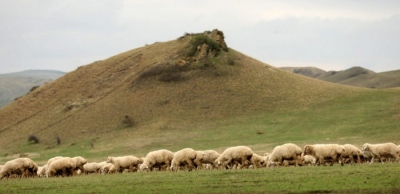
{"x":165,"y":95}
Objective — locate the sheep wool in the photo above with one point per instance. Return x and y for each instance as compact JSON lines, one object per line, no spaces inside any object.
{"x":184,"y":157}
{"x":288,"y":151}
{"x":233,"y":156}
{"x":380,"y":151}
{"x":156,"y":159}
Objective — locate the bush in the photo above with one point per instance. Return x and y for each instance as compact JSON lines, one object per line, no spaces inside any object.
{"x":200,"y":39}
{"x":165,"y":72}
{"x":34,"y":88}
{"x":128,"y":121}
{"x":33,"y":139}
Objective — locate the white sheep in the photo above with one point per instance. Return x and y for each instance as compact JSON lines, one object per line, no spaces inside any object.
{"x":351,"y":152}
{"x":380,"y":151}
{"x":298,"y":162}
{"x":309,"y":160}
{"x":325,"y":152}
{"x":92,"y":167}
{"x":78,"y":163}
{"x":205,"y":157}
{"x":108,"y":168}
{"x":62,"y":167}
{"x":184,"y":157}
{"x":288,"y":151}
{"x":157,"y":159}
{"x":124,"y":162}
{"x":233,"y":156}
{"x":22,"y":167}
{"x":257,"y":161}
{"x":41,"y":172}
{"x":53,"y":159}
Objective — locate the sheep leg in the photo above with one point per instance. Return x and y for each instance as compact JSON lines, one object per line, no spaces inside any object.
{"x":190,"y":164}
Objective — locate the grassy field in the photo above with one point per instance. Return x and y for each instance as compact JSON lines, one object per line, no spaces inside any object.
{"x":369,"y":117}
{"x":365,"y":178}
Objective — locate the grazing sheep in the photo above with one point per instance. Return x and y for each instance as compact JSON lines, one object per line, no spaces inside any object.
{"x":205,"y":157}
{"x":350,"y":152}
{"x":288,"y":151}
{"x":325,"y":152}
{"x":234,"y":155}
{"x":78,"y":163}
{"x":124,"y":162}
{"x":298,"y":162}
{"x":21,"y":167}
{"x":257,"y":161}
{"x":41,"y":172}
{"x":53,"y":159}
{"x":92,"y":167}
{"x":157,"y":159}
{"x":61,"y":167}
{"x":379,"y":151}
{"x":184,"y":157}
{"x":107,"y":168}
{"x":309,"y":160}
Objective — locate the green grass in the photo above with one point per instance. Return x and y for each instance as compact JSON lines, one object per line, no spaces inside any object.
{"x":371,"y":117}
{"x":368,"y":117}
{"x":364,"y":178}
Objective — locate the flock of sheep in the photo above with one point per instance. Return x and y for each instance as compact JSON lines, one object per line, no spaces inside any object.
{"x":237,"y":157}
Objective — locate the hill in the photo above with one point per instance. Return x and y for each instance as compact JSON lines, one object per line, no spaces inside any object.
{"x":14,"y":85}
{"x":355,"y":76}
{"x":190,"y":92}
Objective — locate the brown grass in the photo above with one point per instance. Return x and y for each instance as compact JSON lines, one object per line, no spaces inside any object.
{"x":92,"y":101}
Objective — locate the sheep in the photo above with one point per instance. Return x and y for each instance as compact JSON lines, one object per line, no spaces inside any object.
{"x":257,"y":161}
{"x":324,"y":152}
{"x":205,"y":157}
{"x":124,"y":162}
{"x":156,"y":158}
{"x":288,"y":151}
{"x":41,"y":172}
{"x":298,"y":162}
{"x":380,"y":151}
{"x":22,"y":167}
{"x":350,"y":152}
{"x":92,"y":167}
{"x":53,"y":159}
{"x":62,"y":166}
{"x":78,"y":163}
{"x":309,"y":160}
{"x":238,"y":154}
{"x":108,"y":168}
{"x":183,"y":157}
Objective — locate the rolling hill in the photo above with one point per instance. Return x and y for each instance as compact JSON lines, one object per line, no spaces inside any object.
{"x":190,"y":92}
{"x":355,"y":76}
{"x":14,"y":85}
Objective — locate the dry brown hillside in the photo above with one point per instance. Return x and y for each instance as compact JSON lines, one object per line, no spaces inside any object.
{"x":176,"y":85}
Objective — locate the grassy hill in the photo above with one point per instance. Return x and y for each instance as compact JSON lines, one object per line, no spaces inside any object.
{"x":190,"y":92}
{"x":14,"y":85}
{"x":355,"y":76}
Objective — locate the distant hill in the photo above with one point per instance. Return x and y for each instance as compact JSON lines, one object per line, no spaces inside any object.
{"x":355,"y":76}
{"x":14,"y":85}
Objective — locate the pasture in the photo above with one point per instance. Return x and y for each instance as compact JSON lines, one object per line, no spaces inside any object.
{"x":362,"y":178}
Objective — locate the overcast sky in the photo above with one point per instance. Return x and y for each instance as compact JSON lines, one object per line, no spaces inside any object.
{"x":331,"y":35}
